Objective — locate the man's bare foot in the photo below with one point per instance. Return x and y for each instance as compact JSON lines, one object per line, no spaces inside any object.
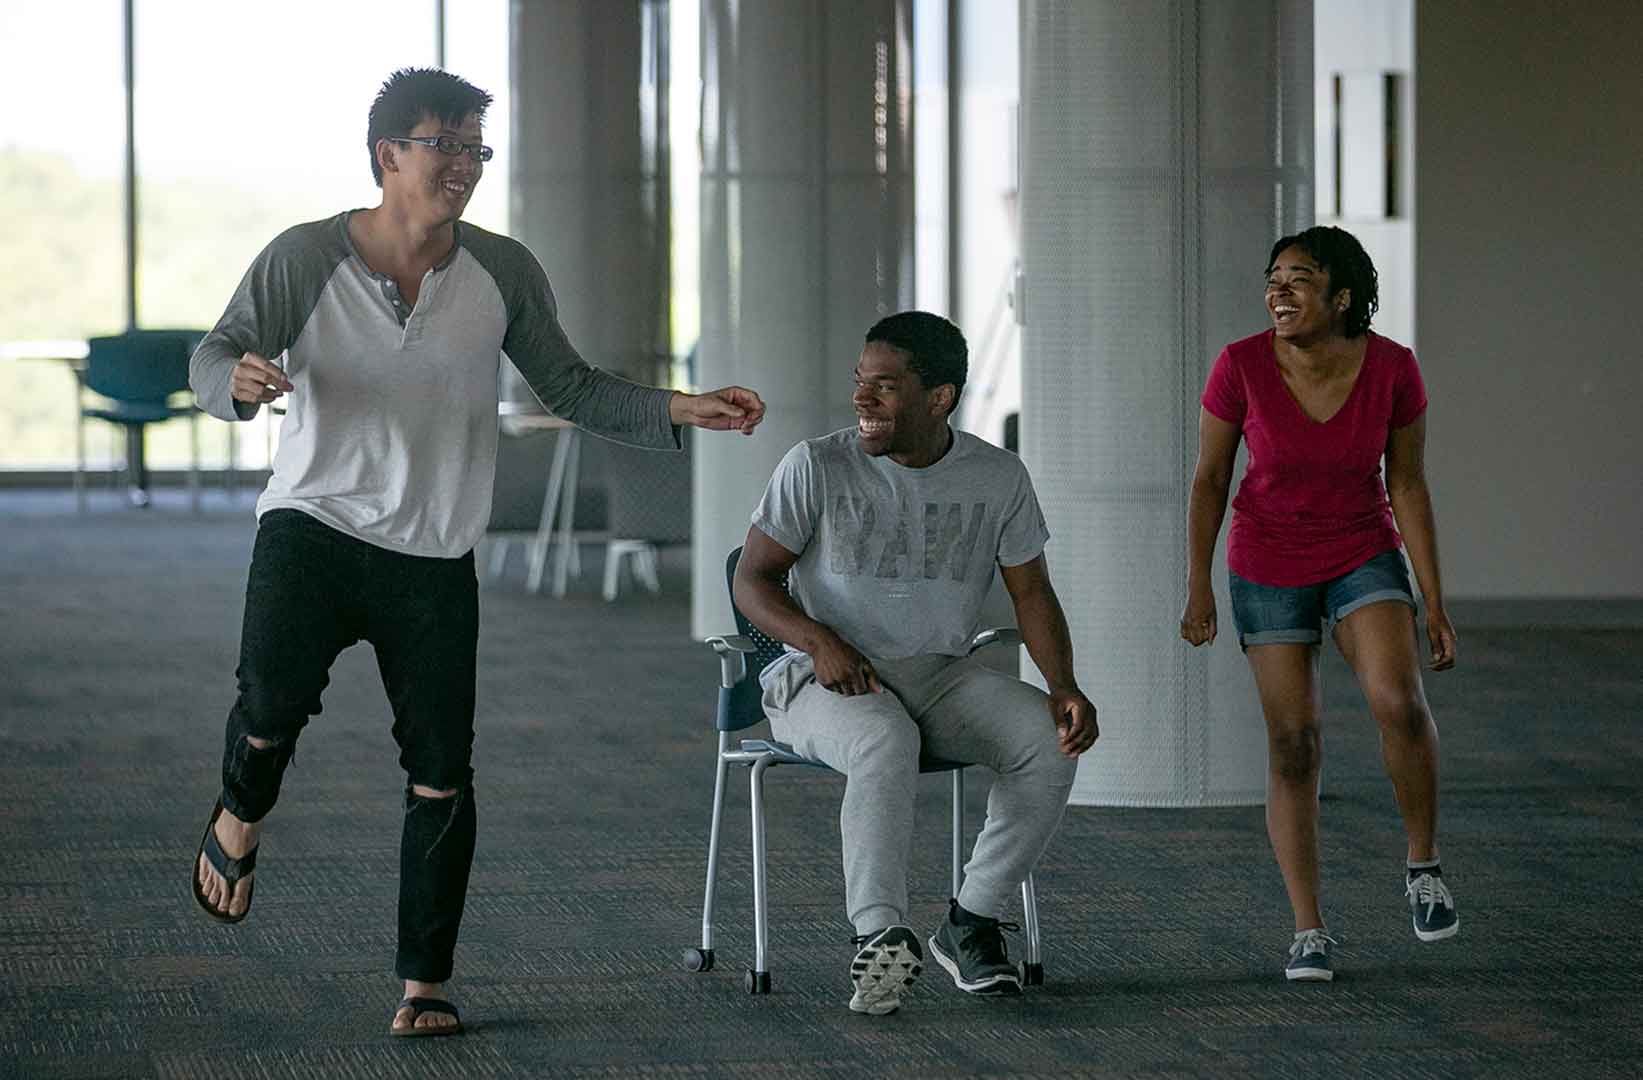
{"x":236,"y":838}
{"x":403,"y":1019}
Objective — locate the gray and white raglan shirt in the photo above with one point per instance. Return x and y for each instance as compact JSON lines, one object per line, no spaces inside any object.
{"x":898,"y":561}
{"x":391,"y":426}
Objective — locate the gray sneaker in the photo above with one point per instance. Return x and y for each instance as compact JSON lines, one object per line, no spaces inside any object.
{"x":1433,"y":908}
{"x":883,"y":969}
{"x":971,"y":948}
{"x":1309,"y":957}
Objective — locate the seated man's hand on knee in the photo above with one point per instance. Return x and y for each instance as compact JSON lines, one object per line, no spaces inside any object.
{"x":844,"y":670}
{"x":1074,"y":717}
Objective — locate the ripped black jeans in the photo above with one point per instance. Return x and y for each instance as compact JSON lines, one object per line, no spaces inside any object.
{"x":312,"y":592}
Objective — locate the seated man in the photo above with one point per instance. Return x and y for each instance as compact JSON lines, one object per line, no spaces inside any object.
{"x":888,"y":532}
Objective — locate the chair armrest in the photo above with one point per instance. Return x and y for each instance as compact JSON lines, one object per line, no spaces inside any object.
{"x":732,"y":643}
{"x":997,"y":635}
{"x":733,"y":650}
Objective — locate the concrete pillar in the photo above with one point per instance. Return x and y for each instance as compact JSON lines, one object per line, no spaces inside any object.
{"x":1165,"y":145}
{"x":589,"y":179}
{"x":806,"y":204}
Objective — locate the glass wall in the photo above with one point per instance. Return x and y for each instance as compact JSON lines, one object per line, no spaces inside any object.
{"x":988,"y":230}
{"x":62,"y":251}
{"x":476,"y":48}
{"x":931,"y":191}
{"x":248,"y":120}
{"x":684,"y":177}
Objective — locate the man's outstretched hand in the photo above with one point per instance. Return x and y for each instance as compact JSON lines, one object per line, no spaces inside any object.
{"x":733,"y":408}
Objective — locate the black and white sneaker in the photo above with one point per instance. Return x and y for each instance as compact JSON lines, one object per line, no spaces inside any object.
{"x":971,"y":948}
{"x":1309,"y":957}
{"x":1433,"y":908}
{"x":886,"y":965}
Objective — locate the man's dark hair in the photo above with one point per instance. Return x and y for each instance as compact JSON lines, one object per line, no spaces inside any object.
{"x":935,"y":348}
{"x":1349,"y":267}
{"x":411,"y":94}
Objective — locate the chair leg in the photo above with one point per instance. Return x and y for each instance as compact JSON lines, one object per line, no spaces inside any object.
{"x":1032,"y":971}
{"x":958,"y":831}
{"x":758,"y":977}
{"x":701,"y":959}
{"x":136,"y":466}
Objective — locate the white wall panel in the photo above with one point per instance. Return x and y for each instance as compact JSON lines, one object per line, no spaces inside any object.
{"x":1165,"y":147}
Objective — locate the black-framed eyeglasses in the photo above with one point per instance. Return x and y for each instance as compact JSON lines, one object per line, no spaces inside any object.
{"x":448,"y":145}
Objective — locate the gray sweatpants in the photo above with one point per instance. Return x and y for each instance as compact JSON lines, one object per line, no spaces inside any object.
{"x":940,"y":707}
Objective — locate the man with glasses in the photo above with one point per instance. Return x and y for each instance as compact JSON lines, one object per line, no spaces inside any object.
{"x":385,"y":327}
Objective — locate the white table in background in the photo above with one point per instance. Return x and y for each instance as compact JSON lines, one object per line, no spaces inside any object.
{"x":558,"y":501}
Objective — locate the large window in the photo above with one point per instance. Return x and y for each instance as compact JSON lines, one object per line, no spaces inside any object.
{"x":249,"y":118}
{"x":685,"y":175}
{"x":476,"y":48}
{"x":62,"y":251}
{"x":988,"y":230}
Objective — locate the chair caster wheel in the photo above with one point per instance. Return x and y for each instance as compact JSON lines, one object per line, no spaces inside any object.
{"x":698,"y":959}
{"x":1031,"y":974}
{"x":757,"y":982}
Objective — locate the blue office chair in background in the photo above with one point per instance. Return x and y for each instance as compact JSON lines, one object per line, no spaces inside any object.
{"x":136,"y":374}
{"x":742,"y":657}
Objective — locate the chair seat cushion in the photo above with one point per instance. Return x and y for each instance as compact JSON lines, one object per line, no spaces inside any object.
{"x":136,"y":412}
{"x":785,"y":755}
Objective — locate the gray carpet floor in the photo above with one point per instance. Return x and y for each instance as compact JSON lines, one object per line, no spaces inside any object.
{"x":1164,"y":930}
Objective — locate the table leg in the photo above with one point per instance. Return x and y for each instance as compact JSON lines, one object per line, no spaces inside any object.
{"x":538,"y":547}
{"x":567,"y":553}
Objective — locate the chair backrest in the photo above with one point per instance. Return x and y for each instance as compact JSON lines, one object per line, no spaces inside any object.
{"x":740,"y":706}
{"x":140,"y":365}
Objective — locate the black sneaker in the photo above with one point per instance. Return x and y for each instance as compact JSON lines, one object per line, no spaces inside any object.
{"x":971,"y":948}
{"x":1433,"y":908}
{"x":1309,"y":957}
{"x":883,"y":969}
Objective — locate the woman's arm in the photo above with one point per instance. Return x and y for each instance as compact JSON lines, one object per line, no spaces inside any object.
{"x":1207,"y":506}
{"x":1412,"y":508}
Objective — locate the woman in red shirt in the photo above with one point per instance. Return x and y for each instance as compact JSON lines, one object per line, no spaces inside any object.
{"x":1319,"y":398}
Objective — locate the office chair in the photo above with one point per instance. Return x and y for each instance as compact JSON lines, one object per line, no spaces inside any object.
{"x":742,"y":657}
{"x":137,"y":372}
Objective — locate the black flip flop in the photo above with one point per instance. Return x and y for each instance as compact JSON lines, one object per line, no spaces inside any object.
{"x":420,"y":1005}
{"x":233,"y":871}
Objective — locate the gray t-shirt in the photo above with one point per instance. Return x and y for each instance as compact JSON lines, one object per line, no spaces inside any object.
{"x":898,"y":561}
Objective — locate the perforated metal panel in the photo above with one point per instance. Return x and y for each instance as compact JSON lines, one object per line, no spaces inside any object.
{"x":1165,"y":145}
{"x":767,"y":648}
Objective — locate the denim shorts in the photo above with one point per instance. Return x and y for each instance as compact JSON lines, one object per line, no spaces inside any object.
{"x":1279,"y":615}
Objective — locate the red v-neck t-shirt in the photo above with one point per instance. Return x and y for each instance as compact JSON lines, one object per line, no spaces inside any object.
{"x":1312,"y":505}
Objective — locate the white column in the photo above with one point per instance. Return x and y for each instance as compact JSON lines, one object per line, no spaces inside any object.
{"x":1165,"y":145}
{"x":589,"y":176}
{"x":806,"y":235}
